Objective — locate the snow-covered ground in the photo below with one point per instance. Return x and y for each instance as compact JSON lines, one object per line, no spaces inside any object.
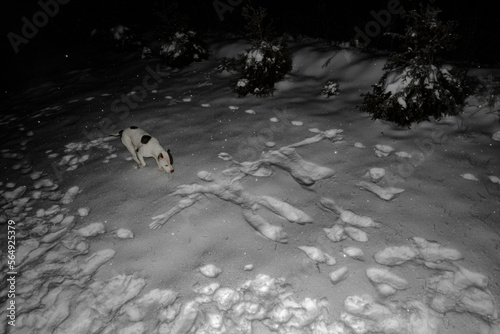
{"x":294,"y":213}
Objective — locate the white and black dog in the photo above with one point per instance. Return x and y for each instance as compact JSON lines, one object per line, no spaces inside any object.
{"x":142,"y":145}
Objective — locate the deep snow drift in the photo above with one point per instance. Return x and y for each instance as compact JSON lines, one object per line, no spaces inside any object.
{"x":294,"y":213}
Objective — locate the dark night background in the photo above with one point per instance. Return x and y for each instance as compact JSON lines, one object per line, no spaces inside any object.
{"x":68,"y":32}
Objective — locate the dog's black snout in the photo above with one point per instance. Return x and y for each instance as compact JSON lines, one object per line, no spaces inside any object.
{"x":172,"y":171}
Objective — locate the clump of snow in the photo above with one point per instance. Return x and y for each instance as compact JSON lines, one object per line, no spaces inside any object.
{"x":123,"y":233}
{"x":336,"y":233}
{"x":383,"y":150}
{"x":248,"y":267}
{"x":182,"y":49}
{"x":356,"y":234}
{"x":385,"y":193}
{"x":339,"y":274}
{"x":496,"y":136}
{"x":494,"y":179}
{"x":354,"y":252}
{"x":403,"y":155}
{"x":91,"y":230}
{"x":376,"y":174}
{"x":384,"y":276}
{"x":347,"y":216}
{"x":210,"y":270}
{"x":462,"y":291}
{"x":70,"y":195}
{"x":318,"y":255}
{"x":469,"y":176}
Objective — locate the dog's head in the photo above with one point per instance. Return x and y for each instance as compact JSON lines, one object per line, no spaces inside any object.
{"x":166,"y":161}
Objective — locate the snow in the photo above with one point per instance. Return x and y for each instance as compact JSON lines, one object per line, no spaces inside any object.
{"x":339,"y":274}
{"x":277,"y":219}
{"x":210,"y":270}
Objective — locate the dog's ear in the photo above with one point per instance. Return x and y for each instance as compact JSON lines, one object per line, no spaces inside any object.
{"x":170,"y":157}
{"x":160,"y":156}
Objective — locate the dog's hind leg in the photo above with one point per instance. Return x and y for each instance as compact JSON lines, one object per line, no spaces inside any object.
{"x":130,"y":147}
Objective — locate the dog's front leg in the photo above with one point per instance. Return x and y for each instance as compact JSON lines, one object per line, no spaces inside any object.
{"x":138,"y":162}
{"x":141,"y":158}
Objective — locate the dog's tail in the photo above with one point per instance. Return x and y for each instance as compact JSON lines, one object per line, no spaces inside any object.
{"x":119,"y":134}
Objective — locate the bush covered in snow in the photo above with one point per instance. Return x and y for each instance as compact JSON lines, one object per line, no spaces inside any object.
{"x":487,"y":91}
{"x":266,"y":62}
{"x":261,"y":67}
{"x":146,"y":53}
{"x":117,"y":37}
{"x":415,"y":86}
{"x":331,"y":88}
{"x":227,"y":65}
{"x":121,"y":34}
{"x":182,"y":49}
